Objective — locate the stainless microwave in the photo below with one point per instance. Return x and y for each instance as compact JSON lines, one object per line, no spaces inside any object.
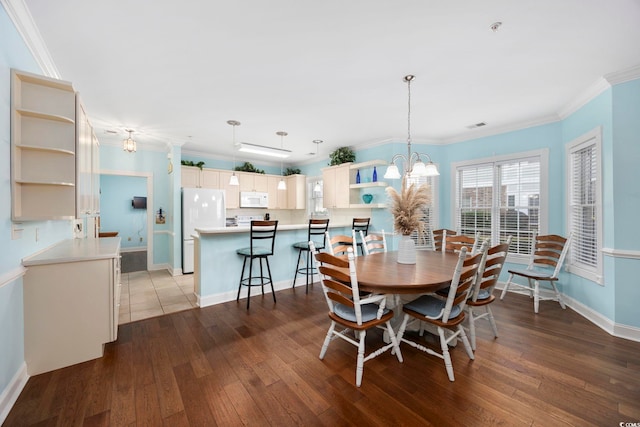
{"x":254,"y":199}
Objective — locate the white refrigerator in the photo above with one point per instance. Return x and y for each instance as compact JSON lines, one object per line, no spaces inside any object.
{"x":201,"y":208}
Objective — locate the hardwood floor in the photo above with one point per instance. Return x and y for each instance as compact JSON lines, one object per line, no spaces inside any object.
{"x":223,"y":366}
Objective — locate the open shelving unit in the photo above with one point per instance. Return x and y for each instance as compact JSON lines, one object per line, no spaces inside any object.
{"x":357,"y":190}
{"x":43,"y":148}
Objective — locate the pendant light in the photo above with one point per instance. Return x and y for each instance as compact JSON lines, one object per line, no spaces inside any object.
{"x":128,"y":144}
{"x":233,"y":180}
{"x":282,"y":185}
{"x":317,"y":188}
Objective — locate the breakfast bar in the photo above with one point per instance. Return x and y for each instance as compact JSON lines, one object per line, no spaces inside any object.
{"x":217,"y":267}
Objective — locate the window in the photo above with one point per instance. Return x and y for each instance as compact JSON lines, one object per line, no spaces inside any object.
{"x":429,"y":213}
{"x":584,"y":205}
{"x":501,"y":198}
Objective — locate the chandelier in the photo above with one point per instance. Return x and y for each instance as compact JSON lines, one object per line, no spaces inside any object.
{"x":128,"y":144}
{"x":413,"y":164}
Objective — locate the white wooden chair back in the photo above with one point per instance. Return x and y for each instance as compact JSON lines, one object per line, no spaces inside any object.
{"x":456,"y":242}
{"x":463,"y":280}
{"x":372,"y":243}
{"x":339,"y":244}
{"x":549,"y":252}
{"x":490,"y":268}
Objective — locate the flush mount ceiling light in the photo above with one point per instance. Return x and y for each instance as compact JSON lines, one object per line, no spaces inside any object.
{"x":413,"y":164}
{"x":233,"y":180}
{"x":282,"y":185}
{"x":128,"y":144}
{"x":495,"y":27}
{"x":263,"y":149}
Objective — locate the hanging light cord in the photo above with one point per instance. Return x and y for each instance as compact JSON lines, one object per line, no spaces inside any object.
{"x":408,"y":79}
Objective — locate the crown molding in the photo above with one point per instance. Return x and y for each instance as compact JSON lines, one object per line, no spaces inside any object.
{"x":631,"y":73}
{"x":21,"y":17}
{"x":584,"y":97}
{"x":511,"y":127}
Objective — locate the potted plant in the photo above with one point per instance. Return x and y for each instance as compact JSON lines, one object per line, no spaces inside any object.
{"x":248,"y":167}
{"x":291,"y":171}
{"x":406,"y":208}
{"x":342,"y":155}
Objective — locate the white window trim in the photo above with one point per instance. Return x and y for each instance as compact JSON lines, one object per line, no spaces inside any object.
{"x":590,"y":138}
{"x":543,"y":155}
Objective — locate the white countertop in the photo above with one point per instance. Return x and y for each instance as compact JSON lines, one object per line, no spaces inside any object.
{"x":283,"y":227}
{"x":73,"y":250}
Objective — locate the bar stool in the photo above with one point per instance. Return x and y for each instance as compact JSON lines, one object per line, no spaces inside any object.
{"x":262,"y":233}
{"x":360,"y":224}
{"x":317,"y":228}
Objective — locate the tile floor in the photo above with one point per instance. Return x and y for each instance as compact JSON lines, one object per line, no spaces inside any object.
{"x":147,"y":294}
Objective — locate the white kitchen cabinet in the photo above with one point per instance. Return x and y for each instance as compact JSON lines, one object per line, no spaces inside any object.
{"x":277,"y":198}
{"x":296,"y":191}
{"x":43,"y":148}
{"x":336,"y":186}
{"x":71,"y":303}
{"x":189,"y":177}
{"x":253,"y":182}
{"x":232,"y":195}
{"x":210,"y":178}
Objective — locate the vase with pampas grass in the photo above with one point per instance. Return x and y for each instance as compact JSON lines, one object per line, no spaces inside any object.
{"x":406,"y":208}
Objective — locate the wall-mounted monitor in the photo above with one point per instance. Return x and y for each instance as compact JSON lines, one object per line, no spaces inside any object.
{"x":139,"y":202}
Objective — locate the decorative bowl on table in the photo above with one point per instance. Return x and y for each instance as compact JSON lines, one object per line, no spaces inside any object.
{"x":367,"y":198}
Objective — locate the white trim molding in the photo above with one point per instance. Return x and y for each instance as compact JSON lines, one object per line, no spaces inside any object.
{"x":621,"y":253}
{"x":21,"y":16}
{"x":10,"y":394}
{"x":227,"y":296}
{"x":627,"y":332}
{"x":12,"y":276}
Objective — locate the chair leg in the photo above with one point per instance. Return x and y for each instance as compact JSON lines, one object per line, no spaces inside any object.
{"x":244,"y":263}
{"x":536,"y":296}
{"x":261,"y":274}
{"x":506,"y":287}
{"x":273,"y":292}
{"x":445,"y":354}
{"x":472,"y":328}
{"x":307,"y":270}
{"x":492,"y":322}
{"x":360,"y":362}
{"x":249,"y":283}
{"x":465,"y":341}
{"x":555,"y":289}
{"x":295,"y":273}
{"x":394,"y":342}
{"x":327,"y":340}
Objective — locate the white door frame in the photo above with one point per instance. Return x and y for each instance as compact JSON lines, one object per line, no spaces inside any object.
{"x":150,"y":216}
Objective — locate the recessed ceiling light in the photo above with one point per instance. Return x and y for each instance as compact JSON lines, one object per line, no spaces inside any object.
{"x":496,"y":26}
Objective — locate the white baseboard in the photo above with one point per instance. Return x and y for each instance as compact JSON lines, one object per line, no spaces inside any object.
{"x":631,"y":333}
{"x":231,"y":295}
{"x":10,"y":394}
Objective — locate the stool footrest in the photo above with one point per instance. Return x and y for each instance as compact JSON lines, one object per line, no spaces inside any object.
{"x":261,"y":281}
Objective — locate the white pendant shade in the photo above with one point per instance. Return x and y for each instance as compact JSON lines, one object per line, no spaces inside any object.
{"x":233,"y":180}
{"x":431,"y":169}
{"x":419,"y":169}
{"x":392,"y":172}
{"x":282,"y":185}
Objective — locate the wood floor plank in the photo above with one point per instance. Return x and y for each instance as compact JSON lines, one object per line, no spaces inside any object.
{"x":224,"y":365}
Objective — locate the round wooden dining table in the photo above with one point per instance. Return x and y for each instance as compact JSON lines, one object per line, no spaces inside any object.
{"x":381,"y":272}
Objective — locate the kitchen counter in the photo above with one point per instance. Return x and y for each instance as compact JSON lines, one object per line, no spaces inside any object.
{"x":217,"y":266}
{"x":281,"y":227}
{"x":74,"y":250}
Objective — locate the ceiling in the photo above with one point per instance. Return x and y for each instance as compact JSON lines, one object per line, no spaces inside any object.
{"x":333,"y":70}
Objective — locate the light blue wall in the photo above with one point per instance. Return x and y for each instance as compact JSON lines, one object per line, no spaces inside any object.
{"x":155,"y":165}
{"x":15,"y":54}
{"x":626,"y":153}
{"x":598,"y":112}
{"x":116,"y":212}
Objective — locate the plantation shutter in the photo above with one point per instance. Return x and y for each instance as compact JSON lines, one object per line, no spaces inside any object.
{"x":474,"y":198}
{"x":424,"y":241}
{"x":518,"y":202}
{"x":583,"y":205}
